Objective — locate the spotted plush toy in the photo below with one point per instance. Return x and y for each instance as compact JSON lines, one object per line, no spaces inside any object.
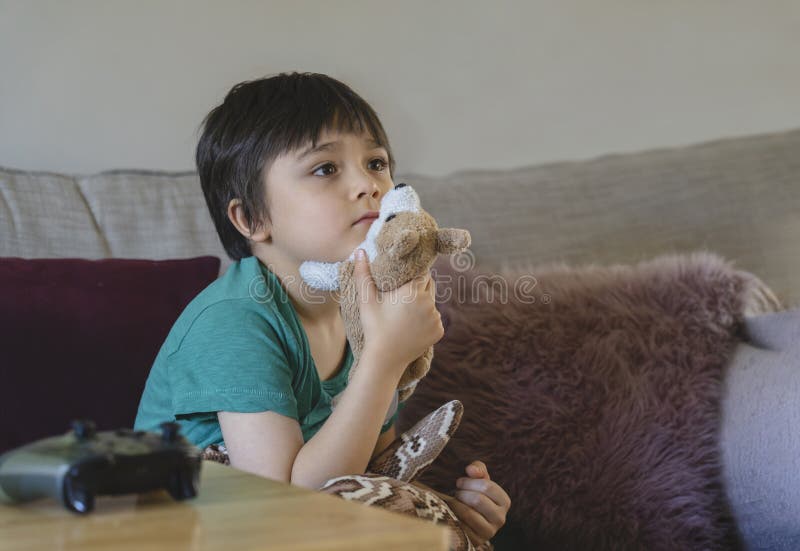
{"x":388,"y":480}
{"x":401,"y":244}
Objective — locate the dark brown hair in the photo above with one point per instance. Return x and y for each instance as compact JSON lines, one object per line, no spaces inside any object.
{"x":260,"y":120}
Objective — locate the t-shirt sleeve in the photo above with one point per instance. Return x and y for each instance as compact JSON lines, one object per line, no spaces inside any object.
{"x":231,"y":359}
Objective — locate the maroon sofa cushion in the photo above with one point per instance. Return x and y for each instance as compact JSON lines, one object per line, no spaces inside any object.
{"x":78,"y":337}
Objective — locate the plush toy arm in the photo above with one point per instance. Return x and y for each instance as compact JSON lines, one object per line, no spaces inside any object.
{"x":414,"y":450}
{"x":404,"y":498}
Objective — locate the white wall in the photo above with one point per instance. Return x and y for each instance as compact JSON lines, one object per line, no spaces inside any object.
{"x":88,"y":85}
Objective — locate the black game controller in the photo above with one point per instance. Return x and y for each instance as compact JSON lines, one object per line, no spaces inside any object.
{"x":83,"y":463}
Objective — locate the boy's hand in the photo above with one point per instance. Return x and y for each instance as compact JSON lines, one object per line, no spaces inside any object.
{"x":401,"y":324}
{"x":479,"y":503}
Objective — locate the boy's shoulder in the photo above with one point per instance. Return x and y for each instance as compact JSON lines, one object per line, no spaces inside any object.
{"x":245,"y":291}
{"x":234,"y":284}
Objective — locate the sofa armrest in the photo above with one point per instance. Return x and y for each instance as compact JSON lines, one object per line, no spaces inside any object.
{"x":760,"y":433}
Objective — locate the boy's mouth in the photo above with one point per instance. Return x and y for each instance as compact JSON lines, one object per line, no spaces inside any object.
{"x":368,"y":218}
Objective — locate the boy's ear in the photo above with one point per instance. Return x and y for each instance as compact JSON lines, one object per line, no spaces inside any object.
{"x":239,"y":220}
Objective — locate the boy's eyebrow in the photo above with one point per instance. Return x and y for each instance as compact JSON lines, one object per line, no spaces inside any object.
{"x":310,"y":150}
{"x":331,"y":145}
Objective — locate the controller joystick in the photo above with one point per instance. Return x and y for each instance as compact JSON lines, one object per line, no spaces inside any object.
{"x":83,"y":429}
{"x":170,"y":431}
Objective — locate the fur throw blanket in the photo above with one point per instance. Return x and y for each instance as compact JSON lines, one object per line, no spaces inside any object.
{"x":593,"y":395}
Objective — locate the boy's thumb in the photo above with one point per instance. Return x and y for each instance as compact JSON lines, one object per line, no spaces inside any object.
{"x":363,"y":277}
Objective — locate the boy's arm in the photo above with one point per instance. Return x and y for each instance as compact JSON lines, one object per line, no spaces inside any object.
{"x":346,"y":441}
{"x":384,"y":440}
{"x":264,"y":443}
{"x":288,"y":431}
{"x":271,"y":445}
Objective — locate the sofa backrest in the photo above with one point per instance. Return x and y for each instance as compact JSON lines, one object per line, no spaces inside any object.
{"x":739,"y":197}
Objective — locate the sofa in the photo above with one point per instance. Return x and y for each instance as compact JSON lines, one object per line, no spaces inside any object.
{"x":738,"y":197}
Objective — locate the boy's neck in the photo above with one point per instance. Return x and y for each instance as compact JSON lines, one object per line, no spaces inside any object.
{"x":313,"y":306}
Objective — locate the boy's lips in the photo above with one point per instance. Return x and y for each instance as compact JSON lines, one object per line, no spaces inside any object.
{"x":368,"y":217}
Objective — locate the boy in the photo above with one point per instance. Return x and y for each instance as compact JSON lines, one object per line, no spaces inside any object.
{"x":293,"y":168}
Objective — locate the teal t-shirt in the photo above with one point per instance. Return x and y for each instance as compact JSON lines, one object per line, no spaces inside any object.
{"x":239,"y":346}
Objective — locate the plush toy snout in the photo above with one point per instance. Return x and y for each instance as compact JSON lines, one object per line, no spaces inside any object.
{"x":406,"y":242}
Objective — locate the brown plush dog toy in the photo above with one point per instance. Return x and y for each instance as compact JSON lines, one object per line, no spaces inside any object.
{"x":401,"y":244}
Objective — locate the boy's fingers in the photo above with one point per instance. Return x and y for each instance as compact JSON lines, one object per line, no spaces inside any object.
{"x":431,"y":286}
{"x":472,"y":520}
{"x":363,"y":277}
{"x":476,"y":540}
{"x":491,"y":511}
{"x":478,"y":469}
{"x":421,"y":282}
{"x":414,"y":287}
{"x":488,"y":488}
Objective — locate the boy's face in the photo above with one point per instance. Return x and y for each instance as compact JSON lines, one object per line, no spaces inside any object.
{"x":316,"y":196}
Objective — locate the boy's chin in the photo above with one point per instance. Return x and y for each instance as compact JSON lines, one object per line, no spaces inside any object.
{"x":339,"y":255}
{"x":342,"y":250}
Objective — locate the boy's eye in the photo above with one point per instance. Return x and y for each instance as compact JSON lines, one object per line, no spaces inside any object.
{"x":378,"y":164}
{"x":326,"y":168}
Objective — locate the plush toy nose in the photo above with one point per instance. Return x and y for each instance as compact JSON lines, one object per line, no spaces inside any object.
{"x":398,"y":186}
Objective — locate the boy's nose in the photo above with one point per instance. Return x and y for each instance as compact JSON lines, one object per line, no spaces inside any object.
{"x":368,"y":186}
{"x":373,"y":189}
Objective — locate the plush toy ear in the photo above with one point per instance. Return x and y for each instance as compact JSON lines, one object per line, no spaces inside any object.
{"x":405,"y":243}
{"x":452,"y":240}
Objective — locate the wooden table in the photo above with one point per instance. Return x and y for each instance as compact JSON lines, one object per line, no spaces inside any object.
{"x":234,"y":510}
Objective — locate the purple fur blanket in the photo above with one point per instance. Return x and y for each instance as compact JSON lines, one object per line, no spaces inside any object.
{"x":593,"y":395}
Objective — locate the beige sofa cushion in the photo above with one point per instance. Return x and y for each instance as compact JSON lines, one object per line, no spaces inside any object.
{"x":739,"y":197}
{"x":152,"y":214}
{"x":123,"y":214}
{"x":46,"y":215}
